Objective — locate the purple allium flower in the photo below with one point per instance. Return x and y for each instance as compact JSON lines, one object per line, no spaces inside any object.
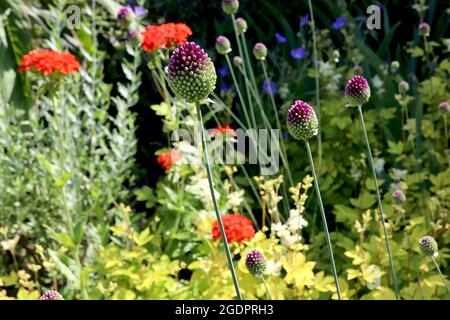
{"x":424,"y":29}
{"x":191,"y":73}
{"x":223,"y":45}
{"x":230,"y":6}
{"x":357,"y":91}
{"x":256,"y":263}
{"x":302,"y":121}
{"x":403,"y":86}
{"x":443,"y":107}
{"x":339,"y":23}
{"x":304,"y":21}
{"x":398,"y":196}
{"x":223,"y":71}
{"x":51,"y":295}
{"x":123,"y":13}
{"x":280,"y":38}
{"x":298,"y":53}
{"x":260,"y":51}
{"x":241,"y":25}
{"x":269,"y":88}
{"x":428,"y":246}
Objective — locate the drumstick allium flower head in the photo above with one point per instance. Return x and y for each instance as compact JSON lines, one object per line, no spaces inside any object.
{"x":256,"y":263}
{"x":428,"y":246}
{"x":191,"y":73}
{"x":52,"y":295}
{"x":302,"y":121}
{"x":241,"y":25}
{"x":443,"y":107}
{"x":260,"y":51}
{"x":357,"y":91}
{"x":223,"y":45}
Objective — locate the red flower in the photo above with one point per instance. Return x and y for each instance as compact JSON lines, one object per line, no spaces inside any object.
{"x":237,"y":228}
{"x":167,"y":159}
{"x":49,"y":62}
{"x":165,"y":36}
{"x":223,"y":130}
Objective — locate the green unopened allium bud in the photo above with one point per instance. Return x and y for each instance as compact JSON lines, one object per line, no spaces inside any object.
{"x":357,"y":91}
{"x":191,"y":73}
{"x":223,"y":45}
{"x":428,"y":246}
{"x":260,"y":51}
{"x":241,"y":25}
{"x":302,"y":121}
{"x":230,"y":6}
{"x":256,"y":263}
{"x":395,"y":65}
{"x":424,"y":29}
{"x":237,"y":61}
{"x":398,"y":196}
{"x":403,"y":86}
{"x":52,"y":295}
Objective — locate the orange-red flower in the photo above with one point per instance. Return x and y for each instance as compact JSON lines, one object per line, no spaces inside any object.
{"x":223,"y":130}
{"x":167,"y":159}
{"x":237,"y":228}
{"x":165,"y":36}
{"x":49,"y":62}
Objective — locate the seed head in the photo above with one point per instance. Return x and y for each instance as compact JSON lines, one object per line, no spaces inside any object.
{"x":260,"y":51}
{"x":428,"y":246}
{"x":256,"y":263}
{"x":302,"y":121}
{"x":230,"y":6}
{"x":357,"y":91}
{"x":191,"y":73}
{"x":52,"y":295}
{"x":223,"y":45}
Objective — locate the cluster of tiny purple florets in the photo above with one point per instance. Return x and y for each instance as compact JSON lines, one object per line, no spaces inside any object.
{"x":192,"y":75}
{"x":428,"y":246}
{"x":357,"y":91}
{"x":52,"y":295}
{"x":256,"y":262}
{"x":302,"y":121}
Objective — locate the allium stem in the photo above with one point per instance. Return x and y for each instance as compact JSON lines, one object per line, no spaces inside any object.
{"x":380,"y":205}
{"x":440,"y":273}
{"x":265,"y":287}
{"x":316,"y":70}
{"x":216,"y":206}
{"x":324,"y":220}
{"x":446,"y":131}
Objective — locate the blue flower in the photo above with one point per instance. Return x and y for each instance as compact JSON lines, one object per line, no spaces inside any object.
{"x":224,"y":87}
{"x":223,"y":71}
{"x":272,"y":88}
{"x":280,"y":38}
{"x":304,"y":21}
{"x":339,"y":23}
{"x":140,"y":11}
{"x":298,"y":53}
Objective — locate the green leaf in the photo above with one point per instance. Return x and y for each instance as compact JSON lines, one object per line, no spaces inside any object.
{"x":364,"y":201}
{"x":395,"y":148}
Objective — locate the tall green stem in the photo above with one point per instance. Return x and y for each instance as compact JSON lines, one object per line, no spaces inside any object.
{"x":324,"y":219}
{"x":440,"y":273}
{"x":216,"y":206}
{"x":265,"y":287}
{"x":380,"y":205}
{"x":316,"y":70}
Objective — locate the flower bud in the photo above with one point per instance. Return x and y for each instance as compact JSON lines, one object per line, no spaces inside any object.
{"x":123,"y":13}
{"x":424,"y":29}
{"x":191,"y":73}
{"x":395,"y":65}
{"x":223,"y":45}
{"x":357,"y":91}
{"x":52,"y":295}
{"x":443,"y":107}
{"x":256,"y":263}
{"x":237,"y":61}
{"x":358,"y":69}
{"x":260,"y":51}
{"x":241,"y":25}
{"x":428,"y":246}
{"x":403,"y":87}
{"x":302,"y":121}
{"x":398,"y":196}
{"x":230,"y":6}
